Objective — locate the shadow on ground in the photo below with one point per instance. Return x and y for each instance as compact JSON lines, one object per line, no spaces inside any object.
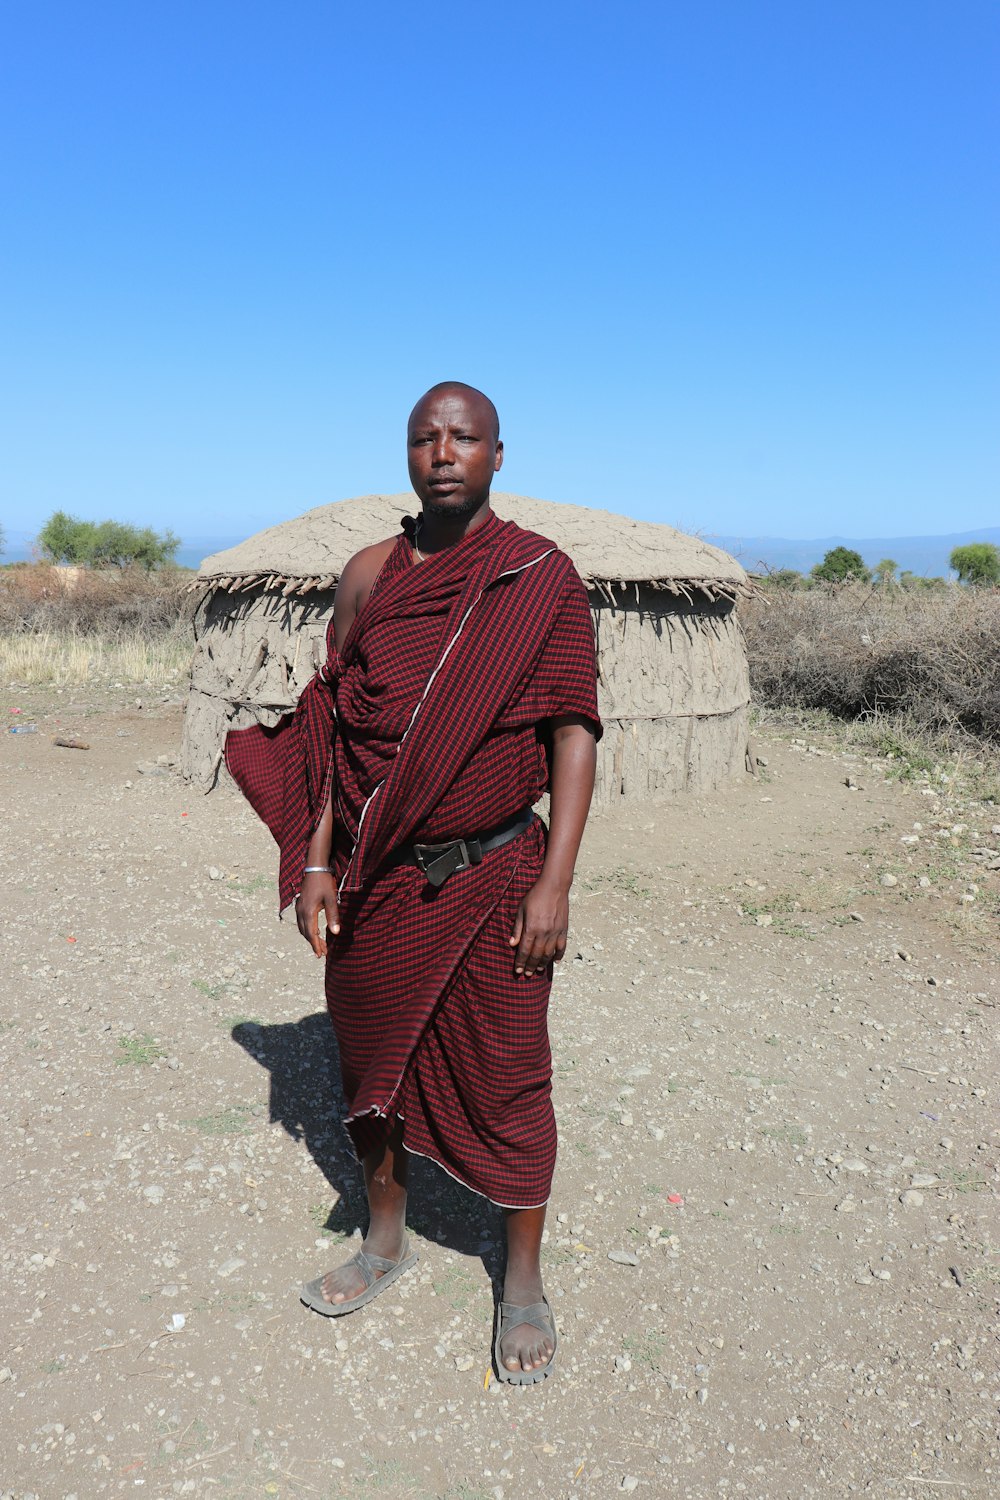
{"x":308,"y":1101}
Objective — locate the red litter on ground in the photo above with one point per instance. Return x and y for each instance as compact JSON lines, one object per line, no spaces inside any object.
{"x":71,"y":940}
{"x":675,"y":1198}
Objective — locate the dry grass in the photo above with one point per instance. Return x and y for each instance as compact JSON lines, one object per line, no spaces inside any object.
{"x":71,"y":626}
{"x":926,"y":658}
{"x":65,"y":659}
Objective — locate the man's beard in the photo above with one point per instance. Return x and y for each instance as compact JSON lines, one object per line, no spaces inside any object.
{"x":460,"y":512}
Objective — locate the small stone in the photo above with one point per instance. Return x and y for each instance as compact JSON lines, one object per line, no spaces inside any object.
{"x":888,"y":880}
{"x":6,"y":1374}
{"x":623,"y":1258}
{"x":153,"y":1193}
{"x":626,"y":1119}
{"x":764,"y":919}
{"x":629,"y":1483}
{"x":229,"y":1266}
{"x":923,"y":1179}
{"x":622,"y":1364}
{"x":856,"y":916}
{"x":702,"y":1396}
{"x":911,"y":1198}
{"x":853,"y":1164}
{"x":464,"y":1361}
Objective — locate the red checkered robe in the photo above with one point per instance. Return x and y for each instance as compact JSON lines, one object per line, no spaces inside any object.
{"x":430,"y":725}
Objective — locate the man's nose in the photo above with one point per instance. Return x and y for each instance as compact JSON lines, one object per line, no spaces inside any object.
{"x":444,"y":452}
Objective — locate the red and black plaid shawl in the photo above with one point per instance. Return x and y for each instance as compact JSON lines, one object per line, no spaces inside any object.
{"x":434,"y":708}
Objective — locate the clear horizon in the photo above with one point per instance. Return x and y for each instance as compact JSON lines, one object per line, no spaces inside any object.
{"x":731,"y":269}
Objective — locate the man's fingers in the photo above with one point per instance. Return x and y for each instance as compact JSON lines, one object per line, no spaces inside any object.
{"x":560,"y":948}
{"x":332,"y":910}
{"x":515,"y":936}
{"x":528,"y":955}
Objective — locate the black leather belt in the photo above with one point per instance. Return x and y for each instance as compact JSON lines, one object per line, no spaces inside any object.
{"x":438,"y":861}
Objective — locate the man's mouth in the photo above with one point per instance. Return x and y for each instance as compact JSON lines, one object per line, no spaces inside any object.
{"x":443,"y":482}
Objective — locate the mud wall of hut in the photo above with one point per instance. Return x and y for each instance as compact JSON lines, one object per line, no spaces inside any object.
{"x":673,"y":685}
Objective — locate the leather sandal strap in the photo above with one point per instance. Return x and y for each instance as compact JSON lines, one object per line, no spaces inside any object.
{"x":536,"y":1314}
{"x":369,"y":1265}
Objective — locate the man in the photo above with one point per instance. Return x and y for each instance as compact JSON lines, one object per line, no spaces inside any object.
{"x":460,"y":685}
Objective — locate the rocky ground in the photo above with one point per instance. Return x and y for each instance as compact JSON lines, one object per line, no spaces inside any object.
{"x":773,"y":1246}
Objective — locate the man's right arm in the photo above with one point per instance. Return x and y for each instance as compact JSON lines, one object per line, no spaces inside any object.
{"x":319,"y":889}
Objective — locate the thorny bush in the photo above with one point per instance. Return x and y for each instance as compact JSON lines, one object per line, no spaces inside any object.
{"x":36,"y":598}
{"x":858,"y":651}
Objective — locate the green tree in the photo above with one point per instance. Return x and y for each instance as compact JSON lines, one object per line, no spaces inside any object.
{"x":841,"y":563}
{"x":67,"y":539}
{"x":885,"y":572}
{"x":977,"y":563}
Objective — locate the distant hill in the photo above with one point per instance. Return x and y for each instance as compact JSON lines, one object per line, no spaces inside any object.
{"x":927,"y":555}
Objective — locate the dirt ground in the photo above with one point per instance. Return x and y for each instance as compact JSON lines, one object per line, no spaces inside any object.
{"x":773,"y":1244}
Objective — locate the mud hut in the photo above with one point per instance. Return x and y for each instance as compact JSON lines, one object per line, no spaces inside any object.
{"x":673,"y":684}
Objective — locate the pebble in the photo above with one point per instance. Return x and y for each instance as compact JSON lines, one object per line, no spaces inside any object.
{"x":911,"y":1198}
{"x":229,"y":1266}
{"x":888,"y":880}
{"x":464,"y":1361}
{"x":629,"y":1483}
{"x":153,"y":1193}
{"x":923,"y":1179}
{"x":623,"y":1257}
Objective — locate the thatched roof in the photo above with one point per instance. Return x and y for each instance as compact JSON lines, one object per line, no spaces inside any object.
{"x":608,"y":550}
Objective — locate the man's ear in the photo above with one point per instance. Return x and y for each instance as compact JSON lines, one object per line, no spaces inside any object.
{"x":499,"y":458}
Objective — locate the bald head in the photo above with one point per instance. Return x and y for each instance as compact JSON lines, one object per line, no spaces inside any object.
{"x":453,"y":449}
{"x":477,"y":400}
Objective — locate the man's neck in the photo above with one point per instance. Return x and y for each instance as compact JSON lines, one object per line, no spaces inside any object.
{"x":439,"y":531}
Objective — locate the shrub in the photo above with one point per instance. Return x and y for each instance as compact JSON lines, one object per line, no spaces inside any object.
{"x":933,"y":654}
{"x":839,"y":564}
{"x":67,"y":539}
{"x":35,"y":598}
{"x":978,"y":563}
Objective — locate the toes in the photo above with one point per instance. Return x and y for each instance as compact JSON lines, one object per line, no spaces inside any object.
{"x":511,"y":1361}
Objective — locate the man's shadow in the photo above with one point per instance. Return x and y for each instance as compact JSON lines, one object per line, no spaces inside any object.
{"x":308,"y":1101}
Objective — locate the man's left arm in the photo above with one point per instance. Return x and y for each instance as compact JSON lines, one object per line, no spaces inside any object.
{"x":542,"y":922}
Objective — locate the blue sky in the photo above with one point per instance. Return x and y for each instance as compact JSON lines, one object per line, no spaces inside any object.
{"x":727,"y":265}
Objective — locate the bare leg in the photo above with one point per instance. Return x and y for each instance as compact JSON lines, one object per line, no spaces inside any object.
{"x":524,"y":1346}
{"x":385,"y":1179}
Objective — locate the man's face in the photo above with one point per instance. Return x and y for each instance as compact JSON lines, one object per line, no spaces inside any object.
{"x":453,"y":452}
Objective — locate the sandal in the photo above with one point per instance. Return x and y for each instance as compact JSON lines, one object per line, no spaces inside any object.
{"x":539,"y":1315}
{"x":376,"y":1272}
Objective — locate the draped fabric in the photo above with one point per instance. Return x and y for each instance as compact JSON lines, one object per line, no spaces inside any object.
{"x":428,"y":726}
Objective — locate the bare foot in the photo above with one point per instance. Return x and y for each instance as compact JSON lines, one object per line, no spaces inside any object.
{"x":346,"y":1282}
{"x":523,"y":1346}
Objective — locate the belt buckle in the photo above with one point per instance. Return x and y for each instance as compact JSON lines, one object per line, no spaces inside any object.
{"x":449,"y":860}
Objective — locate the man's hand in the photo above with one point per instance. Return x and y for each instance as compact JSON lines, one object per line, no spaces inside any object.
{"x":540,"y":927}
{"x":318,"y":894}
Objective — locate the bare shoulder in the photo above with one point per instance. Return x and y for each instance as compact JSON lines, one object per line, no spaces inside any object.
{"x":355,"y":585}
